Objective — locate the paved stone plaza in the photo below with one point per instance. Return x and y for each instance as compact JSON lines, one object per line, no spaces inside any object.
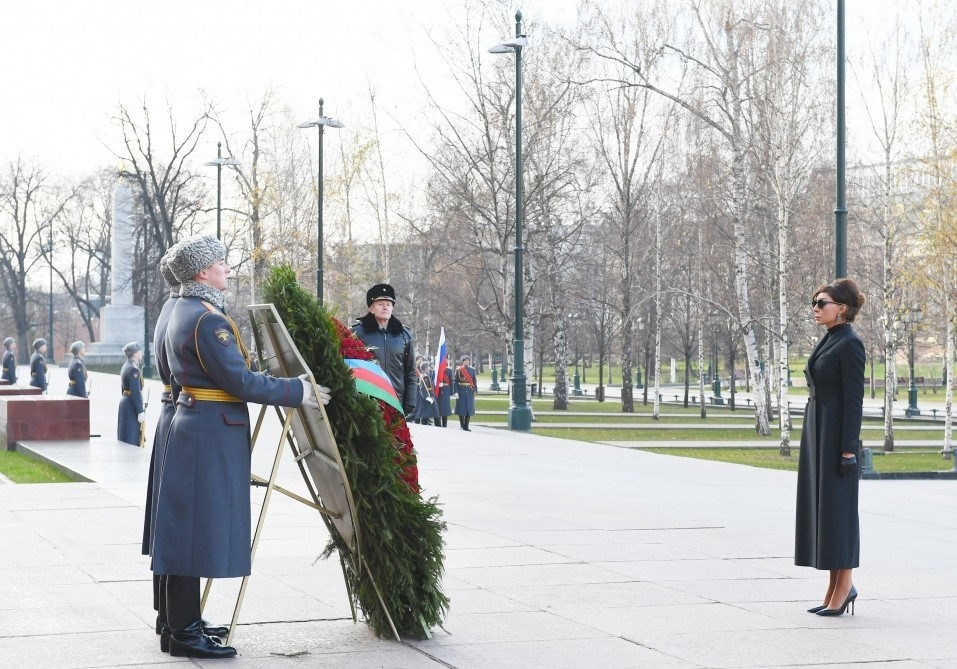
{"x":560,"y":554}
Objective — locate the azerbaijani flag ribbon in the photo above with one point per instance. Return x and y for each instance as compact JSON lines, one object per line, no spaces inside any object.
{"x":441,"y":360}
{"x":372,"y":380}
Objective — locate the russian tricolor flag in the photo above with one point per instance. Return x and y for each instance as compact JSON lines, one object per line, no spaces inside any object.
{"x":441,"y":360}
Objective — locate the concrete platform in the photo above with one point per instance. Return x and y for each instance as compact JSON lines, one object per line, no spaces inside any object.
{"x":559,"y":554}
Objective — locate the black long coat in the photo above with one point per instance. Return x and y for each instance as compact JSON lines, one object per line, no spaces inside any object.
{"x":202,"y":524}
{"x":827,"y":527}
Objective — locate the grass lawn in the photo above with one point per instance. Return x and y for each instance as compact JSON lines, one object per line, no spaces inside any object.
{"x":901,"y":460}
{"x":22,"y":469}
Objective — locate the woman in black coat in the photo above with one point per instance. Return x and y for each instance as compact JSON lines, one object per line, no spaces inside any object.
{"x":827,"y":528}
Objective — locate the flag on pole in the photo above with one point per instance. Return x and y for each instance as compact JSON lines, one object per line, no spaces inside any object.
{"x":441,"y":360}
{"x":372,"y":380}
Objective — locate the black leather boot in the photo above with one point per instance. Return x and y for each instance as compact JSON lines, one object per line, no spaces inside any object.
{"x":187,"y":637}
{"x":192,"y":642}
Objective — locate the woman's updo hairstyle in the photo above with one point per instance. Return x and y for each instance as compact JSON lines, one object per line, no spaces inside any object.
{"x":846,"y":292}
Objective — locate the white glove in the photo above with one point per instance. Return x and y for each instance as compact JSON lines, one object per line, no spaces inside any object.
{"x":307,"y":396}
{"x":141,"y":416}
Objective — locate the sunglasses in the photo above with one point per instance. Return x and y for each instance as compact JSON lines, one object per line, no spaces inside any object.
{"x":820,"y":304}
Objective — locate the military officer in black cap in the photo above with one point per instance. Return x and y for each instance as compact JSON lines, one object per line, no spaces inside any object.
{"x":38,"y":365}
{"x":390,"y":343}
{"x":202,"y":523}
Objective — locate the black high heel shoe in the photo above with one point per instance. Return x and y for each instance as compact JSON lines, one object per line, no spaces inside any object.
{"x":851,"y":597}
{"x":815,"y":609}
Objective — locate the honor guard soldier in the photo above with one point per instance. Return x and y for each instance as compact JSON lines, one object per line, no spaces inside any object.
{"x":38,"y":365}
{"x":168,"y":409}
{"x":443,"y":397}
{"x":131,"y":412}
{"x":77,"y":371}
{"x":390,"y":343}
{"x":10,"y":361}
{"x":465,"y":385}
{"x":426,"y":409}
{"x":202,"y":524}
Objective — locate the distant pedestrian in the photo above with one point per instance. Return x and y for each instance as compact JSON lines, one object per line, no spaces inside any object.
{"x":827,"y":524}
{"x":132,"y":412}
{"x":10,"y":361}
{"x":77,"y":371}
{"x":38,"y":365}
{"x":465,"y":385}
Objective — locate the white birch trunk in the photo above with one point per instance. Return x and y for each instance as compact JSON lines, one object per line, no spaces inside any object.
{"x":949,"y":364}
{"x":784,"y":415}
{"x":656,"y":410}
{"x":761,"y":424}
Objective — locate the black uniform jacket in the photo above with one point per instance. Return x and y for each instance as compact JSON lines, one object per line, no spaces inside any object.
{"x":392,"y":347}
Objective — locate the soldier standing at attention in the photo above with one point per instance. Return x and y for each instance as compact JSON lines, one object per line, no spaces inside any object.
{"x":38,"y":365}
{"x":390,"y":343}
{"x":77,"y":371}
{"x":10,"y":361}
{"x":465,"y":385}
{"x":131,"y":410}
{"x":202,"y":524}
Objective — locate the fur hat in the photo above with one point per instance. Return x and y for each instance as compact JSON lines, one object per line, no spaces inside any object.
{"x":464,"y":358}
{"x":133,"y":347}
{"x":38,"y":343}
{"x":165,"y":269}
{"x":76,"y":347}
{"x":194,"y":254}
{"x":380,"y":291}
{"x":9,"y":341}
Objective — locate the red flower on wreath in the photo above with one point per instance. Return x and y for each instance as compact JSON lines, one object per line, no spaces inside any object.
{"x":350,"y":346}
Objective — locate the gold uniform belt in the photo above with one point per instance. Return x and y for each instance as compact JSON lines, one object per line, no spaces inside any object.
{"x":167,"y":388}
{"x":210,"y":395}
{"x":127,"y":393}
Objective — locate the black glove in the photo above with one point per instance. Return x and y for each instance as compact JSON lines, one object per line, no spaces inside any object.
{"x":848,"y":466}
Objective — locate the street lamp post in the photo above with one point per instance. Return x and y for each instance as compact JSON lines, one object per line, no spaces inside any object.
{"x":320,"y":123}
{"x":840,"y":211}
{"x":218,"y":164}
{"x":50,"y":349}
{"x":913,"y":319}
{"x":519,"y":413}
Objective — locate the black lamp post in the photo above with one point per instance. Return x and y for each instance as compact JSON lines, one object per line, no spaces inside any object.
{"x":218,"y":164}
{"x":519,"y":413}
{"x":840,"y":212}
{"x":913,"y":319}
{"x":50,"y":355}
{"x":320,"y":123}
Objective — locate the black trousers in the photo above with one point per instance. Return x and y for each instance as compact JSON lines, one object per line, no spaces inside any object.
{"x":182,"y":601}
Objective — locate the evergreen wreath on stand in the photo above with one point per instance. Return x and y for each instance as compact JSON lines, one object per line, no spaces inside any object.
{"x":401,"y":543}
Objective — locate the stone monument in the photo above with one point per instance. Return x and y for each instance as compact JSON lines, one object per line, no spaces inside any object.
{"x":121,"y":321}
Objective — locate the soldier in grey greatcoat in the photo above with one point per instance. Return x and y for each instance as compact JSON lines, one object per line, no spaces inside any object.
{"x":465,"y":384}
{"x":77,"y":371}
{"x":827,"y":525}
{"x":202,"y":523}
{"x":10,"y":361}
{"x":131,"y":411}
{"x":38,"y":365}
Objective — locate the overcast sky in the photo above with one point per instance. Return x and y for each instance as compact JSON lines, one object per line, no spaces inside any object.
{"x":67,"y":63}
